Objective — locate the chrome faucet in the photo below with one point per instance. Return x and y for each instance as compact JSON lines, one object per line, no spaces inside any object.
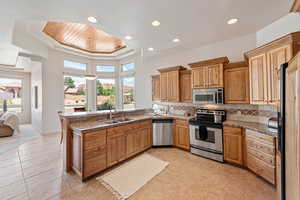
{"x":110,"y":113}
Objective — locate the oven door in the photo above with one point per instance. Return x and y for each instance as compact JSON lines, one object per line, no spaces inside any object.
{"x":204,"y":97}
{"x":206,"y":138}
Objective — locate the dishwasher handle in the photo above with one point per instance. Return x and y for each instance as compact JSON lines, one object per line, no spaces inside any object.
{"x":162,"y":121}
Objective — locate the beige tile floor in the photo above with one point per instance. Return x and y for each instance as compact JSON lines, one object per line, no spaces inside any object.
{"x":34,"y":171}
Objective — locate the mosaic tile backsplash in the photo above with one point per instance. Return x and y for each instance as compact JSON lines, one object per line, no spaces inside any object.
{"x":248,"y":113}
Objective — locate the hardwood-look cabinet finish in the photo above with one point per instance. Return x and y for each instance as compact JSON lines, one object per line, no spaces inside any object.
{"x":155,"y":88}
{"x":170,"y":84}
{"x":116,"y":147}
{"x":264,"y":63}
{"x":95,"y":151}
{"x":233,"y":145}
{"x":292,"y":129}
{"x":236,"y":83}
{"x":164,"y":86}
{"x":185,"y":86}
{"x":261,"y":155}
{"x":209,"y":73}
{"x":181,"y":134}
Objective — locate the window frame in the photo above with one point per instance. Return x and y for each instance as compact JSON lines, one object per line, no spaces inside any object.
{"x":126,"y":63}
{"x":116,"y":95}
{"x":132,"y":75}
{"x":66,"y":68}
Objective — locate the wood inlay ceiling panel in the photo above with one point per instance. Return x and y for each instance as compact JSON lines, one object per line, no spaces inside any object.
{"x":84,"y":37}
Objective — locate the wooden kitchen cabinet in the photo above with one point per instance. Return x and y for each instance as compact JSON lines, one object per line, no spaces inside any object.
{"x":156,"y":88}
{"x":170,"y":84}
{"x":116,"y":147}
{"x":181,"y":134}
{"x":261,"y":150}
{"x":233,"y":145}
{"x":264,"y":63}
{"x":185,"y":86}
{"x":236,"y":83}
{"x":209,"y":73}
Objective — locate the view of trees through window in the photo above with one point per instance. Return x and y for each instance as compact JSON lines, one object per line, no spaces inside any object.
{"x":74,"y":93}
{"x":128,"y":93}
{"x":13,"y":86}
{"x":106,"y":94}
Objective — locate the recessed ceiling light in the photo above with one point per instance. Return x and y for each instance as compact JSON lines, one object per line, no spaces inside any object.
{"x":150,"y":49}
{"x":128,"y":37}
{"x":92,"y":19}
{"x":232,"y":21}
{"x":176,"y":40}
{"x":155,"y":23}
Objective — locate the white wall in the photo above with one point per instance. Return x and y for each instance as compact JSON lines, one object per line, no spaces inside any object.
{"x":287,"y":24}
{"x":233,"y":49}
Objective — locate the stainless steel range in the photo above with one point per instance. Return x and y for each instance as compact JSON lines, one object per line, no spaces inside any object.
{"x":206,"y":134}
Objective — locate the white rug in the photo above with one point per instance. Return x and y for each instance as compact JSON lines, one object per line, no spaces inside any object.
{"x":132,"y":175}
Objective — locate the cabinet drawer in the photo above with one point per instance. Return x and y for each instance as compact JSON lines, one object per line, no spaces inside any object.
{"x":95,"y":152}
{"x":94,"y":165}
{"x":232,"y":131}
{"x":94,"y":139}
{"x":268,"y":149}
{"x":182,"y":122}
{"x":268,"y":159}
{"x":263,"y":138}
{"x":261,"y":169}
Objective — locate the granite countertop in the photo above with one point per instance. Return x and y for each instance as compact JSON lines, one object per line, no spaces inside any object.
{"x":85,"y":126}
{"x":259,"y":127}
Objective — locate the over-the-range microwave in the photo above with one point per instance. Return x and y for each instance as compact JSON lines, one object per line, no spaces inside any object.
{"x":208,"y":96}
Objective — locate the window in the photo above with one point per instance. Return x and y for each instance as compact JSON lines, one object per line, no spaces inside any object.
{"x":106,"y":94}
{"x":128,"y":67}
{"x":128,"y":93}
{"x":74,"y":93}
{"x":14,"y":87}
{"x":74,"y":65}
{"x":106,"y":68}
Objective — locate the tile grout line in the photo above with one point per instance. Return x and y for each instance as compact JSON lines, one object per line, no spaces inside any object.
{"x":26,"y":187}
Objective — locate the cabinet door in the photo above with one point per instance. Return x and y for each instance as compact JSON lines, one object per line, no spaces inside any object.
{"x":116,"y":148}
{"x":131,"y":143}
{"x":237,"y":85}
{"x":182,"y":137}
{"x":145,"y":138}
{"x":258,"y":80}
{"x":233,"y":145}
{"x":164,"y":86}
{"x":185,"y":87}
{"x":276,"y":57}
{"x":155,"y":88}
{"x":173,"y":86}
{"x":215,"y":76}
{"x":199,"y":76}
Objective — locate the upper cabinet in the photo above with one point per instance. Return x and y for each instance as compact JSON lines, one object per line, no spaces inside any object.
{"x":264,"y":63}
{"x":236,"y":83}
{"x":209,"y":73}
{"x":170,"y":84}
{"x":156,"y":88}
{"x":185,"y":82}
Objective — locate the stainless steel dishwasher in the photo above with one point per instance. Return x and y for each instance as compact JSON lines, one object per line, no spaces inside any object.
{"x":162,"y":132}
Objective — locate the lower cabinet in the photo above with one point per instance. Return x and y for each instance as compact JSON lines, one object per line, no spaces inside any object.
{"x":261,"y":155}
{"x":181,"y":135}
{"x":233,"y":145}
{"x":95,"y":151}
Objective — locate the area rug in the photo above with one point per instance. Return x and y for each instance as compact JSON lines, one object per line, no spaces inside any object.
{"x":128,"y":178}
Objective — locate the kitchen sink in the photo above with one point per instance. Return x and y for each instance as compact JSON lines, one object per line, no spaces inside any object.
{"x":115,"y":121}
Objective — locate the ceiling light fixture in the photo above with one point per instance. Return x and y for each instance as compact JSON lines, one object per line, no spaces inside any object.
{"x":128,"y":37}
{"x":150,"y":49}
{"x":176,"y":40}
{"x":92,"y":19}
{"x":232,"y":21}
{"x":155,"y":23}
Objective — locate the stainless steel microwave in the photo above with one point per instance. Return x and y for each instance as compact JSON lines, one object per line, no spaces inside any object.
{"x":208,"y":96}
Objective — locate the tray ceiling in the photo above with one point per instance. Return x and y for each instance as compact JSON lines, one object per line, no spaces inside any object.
{"x":84,"y":37}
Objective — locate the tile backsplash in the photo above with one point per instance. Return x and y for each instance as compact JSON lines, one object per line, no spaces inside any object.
{"x":241,"y":112}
